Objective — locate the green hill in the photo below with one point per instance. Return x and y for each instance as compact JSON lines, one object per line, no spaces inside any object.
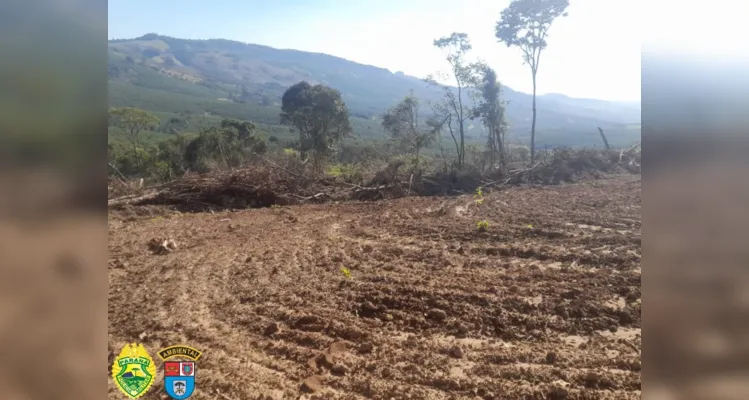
{"x":200,"y":81}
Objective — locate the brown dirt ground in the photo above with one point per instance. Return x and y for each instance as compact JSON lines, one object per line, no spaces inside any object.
{"x":434,"y":309}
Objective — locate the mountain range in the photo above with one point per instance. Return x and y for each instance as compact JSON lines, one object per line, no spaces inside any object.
{"x":220,"y":78}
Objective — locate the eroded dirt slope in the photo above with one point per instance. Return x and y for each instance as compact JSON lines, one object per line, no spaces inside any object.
{"x":543,"y":305}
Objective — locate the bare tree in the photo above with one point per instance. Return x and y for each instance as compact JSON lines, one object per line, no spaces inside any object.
{"x":454,"y":99}
{"x":402,"y":122}
{"x":491,"y":110}
{"x":525,"y":24}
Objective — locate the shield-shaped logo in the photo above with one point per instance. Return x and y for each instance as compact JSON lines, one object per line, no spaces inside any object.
{"x":179,"y":378}
{"x":133,"y":371}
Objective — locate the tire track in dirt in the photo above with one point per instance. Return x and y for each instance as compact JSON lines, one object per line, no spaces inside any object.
{"x":433,"y":309}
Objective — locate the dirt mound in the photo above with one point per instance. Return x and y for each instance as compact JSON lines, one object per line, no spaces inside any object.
{"x":543,"y":304}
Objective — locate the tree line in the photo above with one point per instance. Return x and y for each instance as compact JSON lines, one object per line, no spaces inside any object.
{"x":228,"y":144}
{"x":321,"y":118}
{"x":474,"y":93}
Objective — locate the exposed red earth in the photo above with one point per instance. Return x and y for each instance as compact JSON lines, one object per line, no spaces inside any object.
{"x":543,"y":304}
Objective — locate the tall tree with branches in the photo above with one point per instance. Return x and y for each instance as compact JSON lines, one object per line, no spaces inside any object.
{"x":402,"y":123}
{"x":491,"y":110}
{"x":525,"y":24}
{"x":454,"y":107}
{"x":320,"y":115}
{"x":133,"y":121}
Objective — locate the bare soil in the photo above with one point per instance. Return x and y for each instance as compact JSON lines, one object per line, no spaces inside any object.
{"x":544,"y":304}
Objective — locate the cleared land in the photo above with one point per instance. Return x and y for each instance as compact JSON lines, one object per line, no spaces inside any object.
{"x":543,"y":305}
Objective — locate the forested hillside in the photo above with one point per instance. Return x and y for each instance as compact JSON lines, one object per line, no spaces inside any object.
{"x":199,"y":82}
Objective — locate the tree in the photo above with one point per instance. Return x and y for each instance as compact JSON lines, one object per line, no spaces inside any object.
{"x":320,"y":115}
{"x":402,"y":123}
{"x":133,"y":121}
{"x":228,"y":142}
{"x":175,"y":125}
{"x":172,"y":153}
{"x":453,"y":107}
{"x":525,"y":24}
{"x":491,"y":110}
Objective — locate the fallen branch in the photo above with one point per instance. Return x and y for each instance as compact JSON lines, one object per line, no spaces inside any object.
{"x":123,"y":179}
{"x":129,"y":199}
{"x":513,"y":174}
{"x":603,"y":136}
{"x":317,"y":196}
{"x":271,"y":163}
{"x":369,"y":189}
{"x":636,"y":145}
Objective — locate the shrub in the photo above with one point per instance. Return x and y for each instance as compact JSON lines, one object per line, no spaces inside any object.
{"x":290,"y":152}
{"x":348,"y":172}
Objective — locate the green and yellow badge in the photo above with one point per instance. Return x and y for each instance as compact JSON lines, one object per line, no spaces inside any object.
{"x":133,"y":371}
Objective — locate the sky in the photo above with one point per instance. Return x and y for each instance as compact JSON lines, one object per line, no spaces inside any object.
{"x":592,"y":53}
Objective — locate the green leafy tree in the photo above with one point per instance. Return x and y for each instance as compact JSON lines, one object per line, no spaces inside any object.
{"x":491,"y":110}
{"x":133,"y":121}
{"x":229,"y":143}
{"x":454,"y":107}
{"x":176,"y":125}
{"x":320,"y":115}
{"x":525,"y":24}
{"x":172,"y":154}
{"x":402,"y":123}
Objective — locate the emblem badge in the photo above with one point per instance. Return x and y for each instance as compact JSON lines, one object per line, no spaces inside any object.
{"x":179,"y":376}
{"x":133,"y":371}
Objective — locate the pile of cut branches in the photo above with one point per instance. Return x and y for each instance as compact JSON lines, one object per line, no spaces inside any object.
{"x":251,"y":187}
{"x":263,"y":185}
{"x":567,"y":165}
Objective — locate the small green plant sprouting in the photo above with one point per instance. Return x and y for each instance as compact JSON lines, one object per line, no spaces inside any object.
{"x":346,"y":272}
{"x":478,"y":196}
{"x":482,"y":225}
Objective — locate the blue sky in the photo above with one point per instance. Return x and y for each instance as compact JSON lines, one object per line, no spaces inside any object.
{"x":593,"y":53}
